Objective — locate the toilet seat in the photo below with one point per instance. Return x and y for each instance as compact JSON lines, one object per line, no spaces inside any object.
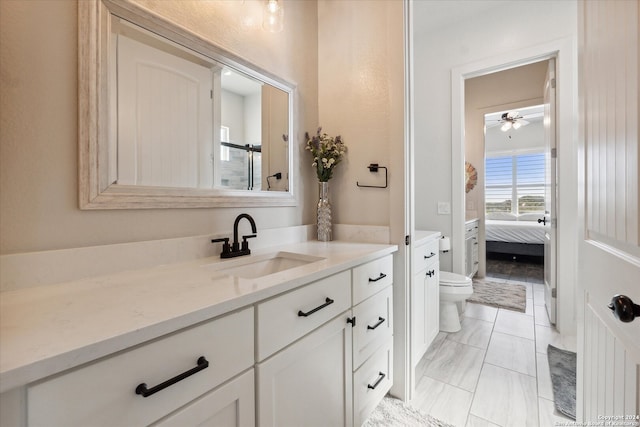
{"x":453,"y":279}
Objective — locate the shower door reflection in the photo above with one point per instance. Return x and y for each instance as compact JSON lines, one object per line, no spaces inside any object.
{"x":241,"y":166}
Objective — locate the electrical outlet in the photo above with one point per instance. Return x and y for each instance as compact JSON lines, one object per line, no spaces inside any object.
{"x":444,"y":208}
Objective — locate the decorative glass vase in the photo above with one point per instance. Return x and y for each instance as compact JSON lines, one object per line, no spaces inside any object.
{"x":324,"y":213}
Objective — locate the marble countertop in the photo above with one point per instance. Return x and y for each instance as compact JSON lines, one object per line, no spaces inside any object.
{"x":48,"y":329}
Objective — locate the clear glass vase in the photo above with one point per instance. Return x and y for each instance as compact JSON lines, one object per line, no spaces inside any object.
{"x":324,"y":213}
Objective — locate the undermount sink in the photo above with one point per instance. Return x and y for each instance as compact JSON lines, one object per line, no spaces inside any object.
{"x":255,"y":266}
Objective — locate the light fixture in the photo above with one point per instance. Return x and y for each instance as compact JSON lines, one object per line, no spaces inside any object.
{"x":512,"y":120}
{"x":273,"y":16}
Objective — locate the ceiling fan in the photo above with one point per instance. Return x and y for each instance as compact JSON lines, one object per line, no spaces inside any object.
{"x":511,"y":120}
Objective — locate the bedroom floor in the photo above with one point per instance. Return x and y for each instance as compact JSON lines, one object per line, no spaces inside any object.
{"x":522,"y":268}
{"x":494,"y":372}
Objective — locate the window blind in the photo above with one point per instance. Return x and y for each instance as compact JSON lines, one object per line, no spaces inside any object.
{"x":518,"y":178}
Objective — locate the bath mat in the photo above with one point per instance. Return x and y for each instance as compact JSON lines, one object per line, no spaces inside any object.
{"x":392,"y":412}
{"x":498,"y":294}
{"x":562,"y":366}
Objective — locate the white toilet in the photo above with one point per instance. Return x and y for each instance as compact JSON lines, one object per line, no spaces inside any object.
{"x":454,"y":290}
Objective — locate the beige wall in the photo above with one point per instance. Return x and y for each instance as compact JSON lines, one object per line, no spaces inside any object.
{"x":361,"y":97}
{"x":38,"y":123}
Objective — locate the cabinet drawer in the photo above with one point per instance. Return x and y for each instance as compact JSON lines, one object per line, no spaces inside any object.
{"x":471,"y":229}
{"x":286,"y":318}
{"x":372,"y":382}
{"x":104,"y":393}
{"x":371,"y":278}
{"x":426,"y":254}
{"x":374,"y":325}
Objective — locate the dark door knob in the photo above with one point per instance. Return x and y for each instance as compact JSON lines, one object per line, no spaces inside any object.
{"x":542,"y":221}
{"x":623,"y":308}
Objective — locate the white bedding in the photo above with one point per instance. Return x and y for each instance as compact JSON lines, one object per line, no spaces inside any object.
{"x":514,"y":231}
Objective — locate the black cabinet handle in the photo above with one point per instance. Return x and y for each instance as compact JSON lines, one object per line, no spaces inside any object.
{"x":327,"y":302}
{"x":542,"y":221}
{"x":378,"y":381}
{"x":431,"y":273}
{"x":380,"y":322}
{"x":429,"y":256}
{"x":146,"y":392}
{"x":381,"y":276}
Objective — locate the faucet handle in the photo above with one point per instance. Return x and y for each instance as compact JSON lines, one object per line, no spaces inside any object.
{"x":245,"y":244}
{"x":226,"y":247}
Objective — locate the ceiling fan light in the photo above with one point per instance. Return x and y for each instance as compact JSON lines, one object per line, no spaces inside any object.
{"x":516,"y":125}
{"x":506,"y":126}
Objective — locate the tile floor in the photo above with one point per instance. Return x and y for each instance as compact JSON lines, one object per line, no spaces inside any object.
{"x":494,"y":372}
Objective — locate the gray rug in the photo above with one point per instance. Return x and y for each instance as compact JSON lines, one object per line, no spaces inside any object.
{"x":393,"y":412}
{"x":562,"y":366}
{"x":497,"y":294}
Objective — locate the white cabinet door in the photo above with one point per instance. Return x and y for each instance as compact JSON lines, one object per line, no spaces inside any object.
{"x":309,"y":383}
{"x":432,"y":304}
{"x":425,"y":301}
{"x":231,"y":405}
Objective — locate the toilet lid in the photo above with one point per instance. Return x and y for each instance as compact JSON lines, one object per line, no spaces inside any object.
{"x":453,"y":279}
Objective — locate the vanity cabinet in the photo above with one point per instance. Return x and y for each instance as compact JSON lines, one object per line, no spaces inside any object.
{"x":425,"y":296}
{"x":471,"y":247}
{"x":319,"y":354}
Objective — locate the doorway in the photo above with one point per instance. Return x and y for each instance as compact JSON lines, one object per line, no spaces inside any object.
{"x":514,"y":176}
{"x":508,"y":129}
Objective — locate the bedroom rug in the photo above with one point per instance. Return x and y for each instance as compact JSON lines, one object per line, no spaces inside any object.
{"x":499,"y":294}
{"x":393,"y":412}
{"x":562,"y":366}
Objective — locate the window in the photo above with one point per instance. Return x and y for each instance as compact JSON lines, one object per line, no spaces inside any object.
{"x":515,"y":178}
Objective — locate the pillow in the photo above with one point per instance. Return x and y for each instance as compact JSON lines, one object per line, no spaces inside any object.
{"x":502,"y":216}
{"x":531,"y":216}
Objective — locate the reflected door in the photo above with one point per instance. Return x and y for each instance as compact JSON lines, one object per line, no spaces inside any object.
{"x":165,"y":130}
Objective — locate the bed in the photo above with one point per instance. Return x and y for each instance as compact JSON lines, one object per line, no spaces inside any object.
{"x":517,"y":237}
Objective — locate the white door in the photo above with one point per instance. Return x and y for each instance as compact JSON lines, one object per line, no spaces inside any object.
{"x":609,"y":243}
{"x":165,"y":128}
{"x":550,"y":191}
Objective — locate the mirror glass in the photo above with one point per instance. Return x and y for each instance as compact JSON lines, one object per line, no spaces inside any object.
{"x":183,"y":121}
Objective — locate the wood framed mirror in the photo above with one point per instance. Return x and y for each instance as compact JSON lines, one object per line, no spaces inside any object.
{"x":169,"y":120}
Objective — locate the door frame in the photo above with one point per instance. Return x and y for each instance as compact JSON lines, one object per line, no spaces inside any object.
{"x":565,"y":52}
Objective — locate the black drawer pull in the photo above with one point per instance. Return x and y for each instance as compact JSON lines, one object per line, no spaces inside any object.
{"x":431,"y":273}
{"x":381,"y":276}
{"x":378,"y":381}
{"x":327,"y":302}
{"x":429,"y":256}
{"x":146,"y":392}
{"x":380,"y":322}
